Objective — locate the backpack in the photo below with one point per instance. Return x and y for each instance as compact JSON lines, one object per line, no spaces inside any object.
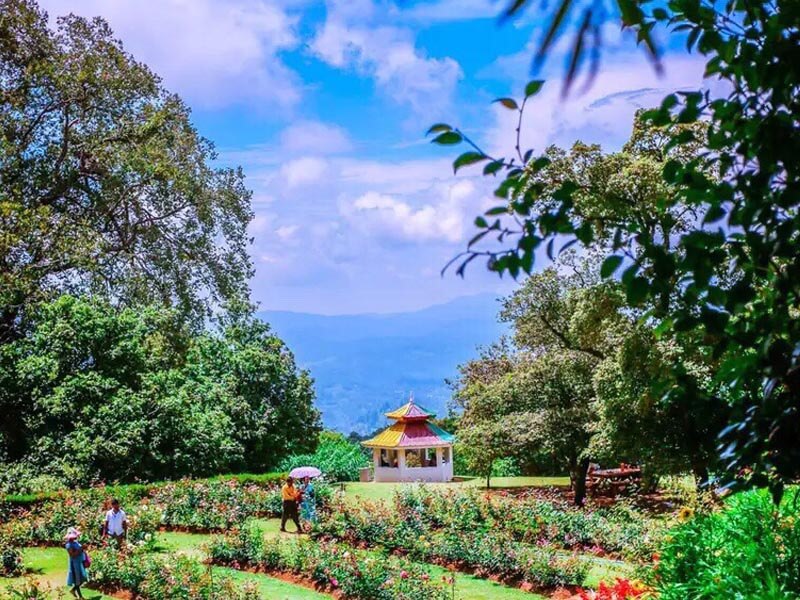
{"x":87,"y":560}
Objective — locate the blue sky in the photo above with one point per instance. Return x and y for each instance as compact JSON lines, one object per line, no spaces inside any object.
{"x":325,"y":104}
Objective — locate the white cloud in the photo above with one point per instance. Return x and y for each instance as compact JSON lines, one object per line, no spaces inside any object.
{"x":388,"y":54}
{"x":441,"y":219}
{"x":302,"y":171}
{"x":315,"y":137}
{"x":286,"y":232}
{"x":212,"y":53}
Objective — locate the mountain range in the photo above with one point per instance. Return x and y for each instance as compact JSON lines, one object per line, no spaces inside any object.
{"x":365,"y":365}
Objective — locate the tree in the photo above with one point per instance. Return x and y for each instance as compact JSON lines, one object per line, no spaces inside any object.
{"x":733,"y":276}
{"x":94,"y":392}
{"x":105,"y":185}
{"x":638,"y":425}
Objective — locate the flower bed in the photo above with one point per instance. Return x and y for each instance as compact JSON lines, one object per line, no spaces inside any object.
{"x":45,"y":524}
{"x":206,"y":505}
{"x":332,"y":566}
{"x":484,"y":552}
{"x":621,"y":531}
{"x":155,"y":577}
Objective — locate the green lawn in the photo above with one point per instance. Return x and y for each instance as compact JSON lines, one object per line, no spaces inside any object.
{"x":48,"y":566}
{"x":384,"y":491}
{"x":272,"y":588}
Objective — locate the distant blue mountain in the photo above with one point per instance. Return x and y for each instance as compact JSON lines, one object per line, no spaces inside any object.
{"x":365,"y":365}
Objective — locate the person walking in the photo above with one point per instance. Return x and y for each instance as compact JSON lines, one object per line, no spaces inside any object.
{"x":115,"y":525}
{"x":290,"y":495}
{"x":76,"y":576}
{"x":309,"y":504}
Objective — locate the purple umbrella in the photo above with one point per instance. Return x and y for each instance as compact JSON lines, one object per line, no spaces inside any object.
{"x":301,"y":472}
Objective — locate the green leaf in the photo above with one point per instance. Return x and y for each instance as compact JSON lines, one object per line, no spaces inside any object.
{"x":468,"y":158}
{"x":448,"y":138}
{"x":493,"y":167}
{"x":610,"y":265}
{"x":480,"y":222}
{"x":439,"y":128}
{"x":497,"y":210}
{"x":533,"y":88}
{"x":508,"y":103}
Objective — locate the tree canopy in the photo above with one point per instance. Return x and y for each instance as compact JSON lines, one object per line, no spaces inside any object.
{"x":731,"y":274}
{"x":105,"y":185}
{"x":94,"y":393}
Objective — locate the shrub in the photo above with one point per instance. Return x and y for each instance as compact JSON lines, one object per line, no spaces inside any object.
{"x":338,"y":567}
{"x":206,"y":505}
{"x":10,"y":559}
{"x":28,"y":590}
{"x":621,"y":589}
{"x":619,"y":530}
{"x":157,"y":577}
{"x":46,"y":523}
{"x":441,"y":528}
{"x":748,"y":549}
{"x":337,"y":457}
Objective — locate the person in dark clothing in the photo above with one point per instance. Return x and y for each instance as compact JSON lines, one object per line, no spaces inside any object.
{"x":291,"y":496}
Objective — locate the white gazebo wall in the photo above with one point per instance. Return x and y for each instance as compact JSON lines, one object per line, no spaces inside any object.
{"x":441,"y":472}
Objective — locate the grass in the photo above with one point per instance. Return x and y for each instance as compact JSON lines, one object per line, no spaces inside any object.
{"x":48,"y":566}
{"x":384,"y":491}
{"x":272,"y":588}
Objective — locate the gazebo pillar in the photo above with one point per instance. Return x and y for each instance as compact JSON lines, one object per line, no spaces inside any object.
{"x":401,"y":463}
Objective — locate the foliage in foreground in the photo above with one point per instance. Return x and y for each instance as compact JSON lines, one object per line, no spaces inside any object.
{"x":335,"y":566}
{"x":96,"y":393}
{"x":749,"y":549}
{"x":337,"y":458}
{"x":157,"y":577}
{"x":731,"y":276}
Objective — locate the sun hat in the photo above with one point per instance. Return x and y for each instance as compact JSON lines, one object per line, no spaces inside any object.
{"x":72,"y":534}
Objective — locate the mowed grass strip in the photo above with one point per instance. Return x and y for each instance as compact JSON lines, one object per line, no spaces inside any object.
{"x":384,"y":491}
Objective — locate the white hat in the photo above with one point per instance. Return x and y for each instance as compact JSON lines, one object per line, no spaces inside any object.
{"x":72,"y":534}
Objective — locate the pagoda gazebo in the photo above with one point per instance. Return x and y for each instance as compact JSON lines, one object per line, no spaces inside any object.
{"x":413,"y":448}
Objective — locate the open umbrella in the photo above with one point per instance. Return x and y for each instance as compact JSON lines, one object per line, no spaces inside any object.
{"x":301,"y":472}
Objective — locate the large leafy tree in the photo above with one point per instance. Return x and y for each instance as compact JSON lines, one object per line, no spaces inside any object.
{"x":94,"y":392}
{"x":733,"y":276}
{"x":105,"y":186}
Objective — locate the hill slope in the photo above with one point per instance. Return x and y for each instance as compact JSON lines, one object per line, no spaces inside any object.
{"x":365,"y":365}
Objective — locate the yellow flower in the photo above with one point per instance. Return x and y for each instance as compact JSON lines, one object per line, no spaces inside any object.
{"x":685,"y":513}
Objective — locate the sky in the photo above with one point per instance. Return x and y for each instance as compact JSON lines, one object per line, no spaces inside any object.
{"x":325,"y":105}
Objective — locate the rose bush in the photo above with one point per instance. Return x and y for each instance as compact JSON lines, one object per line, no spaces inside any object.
{"x":621,"y":530}
{"x":203,"y":505}
{"x":10,"y":559}
{"x":409,"y":528}
{"x":151,"y":576}
{"x":336,"y":566}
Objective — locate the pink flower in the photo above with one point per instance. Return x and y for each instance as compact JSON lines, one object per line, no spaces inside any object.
{"x":403,"y":575}
{"x":334,"y":582}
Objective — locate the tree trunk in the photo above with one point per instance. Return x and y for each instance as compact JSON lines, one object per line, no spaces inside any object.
{"x":700,"y":472}
{"x":578,"y":477}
